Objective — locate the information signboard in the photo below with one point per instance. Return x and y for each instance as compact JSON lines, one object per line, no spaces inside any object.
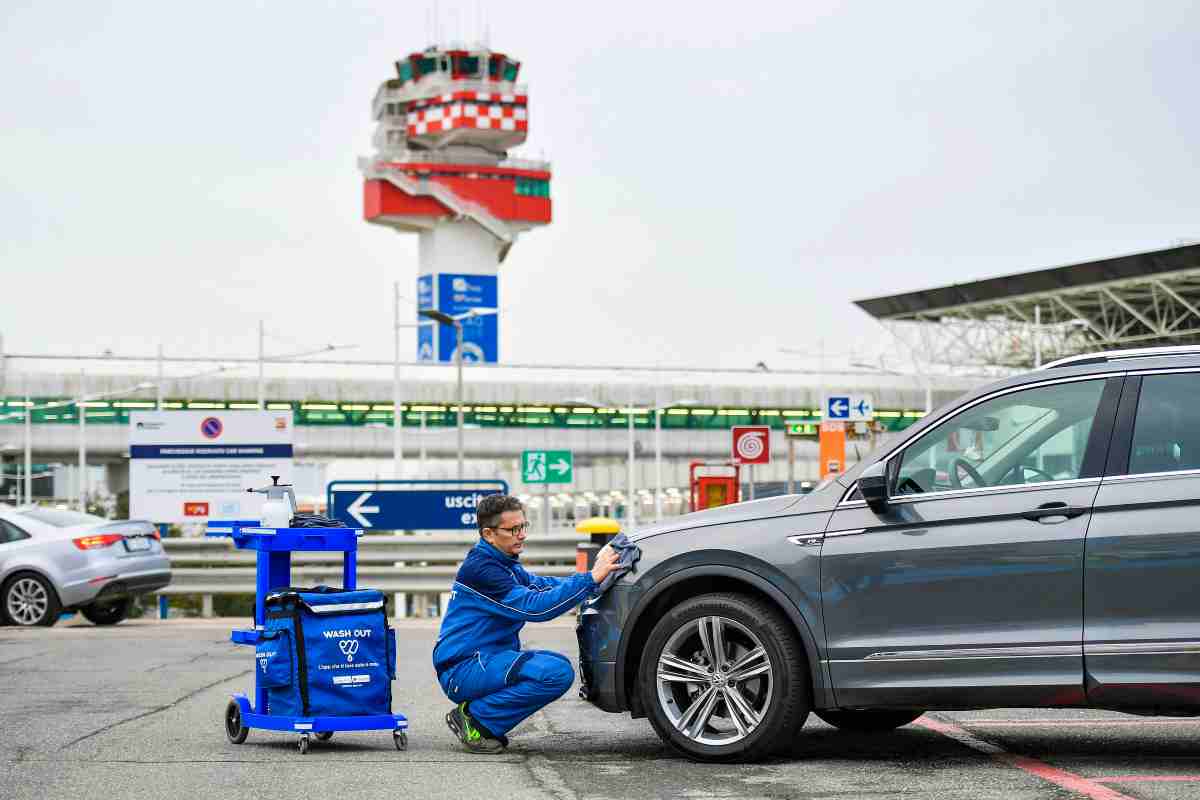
{"x":190,"y":466}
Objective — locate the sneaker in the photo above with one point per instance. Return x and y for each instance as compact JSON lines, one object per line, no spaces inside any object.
{"x":469,"y":732}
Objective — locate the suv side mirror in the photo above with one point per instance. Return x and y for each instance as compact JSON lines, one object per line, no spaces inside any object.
{"x":872,"y":485}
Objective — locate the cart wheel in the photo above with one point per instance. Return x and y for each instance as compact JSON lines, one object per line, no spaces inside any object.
{"x":401,"y":740}
{"x":234,"y":728}
{"x":303,"y":744}
{"x":324,"y":736}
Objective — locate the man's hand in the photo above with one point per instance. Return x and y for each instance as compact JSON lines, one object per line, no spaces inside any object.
{"x":606,"y":562}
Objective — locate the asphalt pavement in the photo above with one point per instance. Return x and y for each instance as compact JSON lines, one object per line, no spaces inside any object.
{"x":135,"y":711}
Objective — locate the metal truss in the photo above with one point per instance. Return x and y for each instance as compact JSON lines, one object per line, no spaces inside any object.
{"x":1021,"y":331}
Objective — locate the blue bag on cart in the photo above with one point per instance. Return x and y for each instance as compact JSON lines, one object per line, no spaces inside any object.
{"x":327,"y":652}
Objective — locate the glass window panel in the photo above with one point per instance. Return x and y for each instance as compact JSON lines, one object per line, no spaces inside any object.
{"x":1030,"y":436}
{"x":1166,"y":431}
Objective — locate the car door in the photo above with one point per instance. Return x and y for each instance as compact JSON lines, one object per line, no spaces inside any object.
{"x":966,"y":589}
{"x":1142,"y":568}
{"x":13,"y":540}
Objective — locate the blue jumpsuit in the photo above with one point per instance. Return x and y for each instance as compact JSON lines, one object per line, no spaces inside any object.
{"x":478,"y":655}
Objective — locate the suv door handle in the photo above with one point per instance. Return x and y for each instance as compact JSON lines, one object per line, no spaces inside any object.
{"x":1050,"y":513}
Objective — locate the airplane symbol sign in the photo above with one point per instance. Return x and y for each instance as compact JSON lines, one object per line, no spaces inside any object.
{"x":849,"y":408}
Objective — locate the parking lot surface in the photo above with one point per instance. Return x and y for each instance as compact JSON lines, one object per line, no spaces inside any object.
{"x":135,"y":711}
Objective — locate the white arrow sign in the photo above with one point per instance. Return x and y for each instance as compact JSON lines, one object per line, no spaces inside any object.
{"x":561,"y":466}
{"x":358,"y":510}
{"x":849,"y":408}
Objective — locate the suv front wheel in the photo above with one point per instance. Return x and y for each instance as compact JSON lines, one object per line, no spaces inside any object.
{"x":724,"y":678}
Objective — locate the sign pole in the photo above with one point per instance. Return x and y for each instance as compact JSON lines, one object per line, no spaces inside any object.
{"x":397,"y":413}
{"x":546,"y":508}
{"x":750,"y":480}
{"x":791,"y":485}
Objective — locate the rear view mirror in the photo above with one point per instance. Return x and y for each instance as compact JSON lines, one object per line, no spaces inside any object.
{"x":872,"y":485}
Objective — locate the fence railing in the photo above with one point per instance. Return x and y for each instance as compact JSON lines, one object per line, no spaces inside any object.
{"x":418,"y":564}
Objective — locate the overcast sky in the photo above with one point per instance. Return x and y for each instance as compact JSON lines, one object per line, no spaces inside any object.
{"x":727,"y":177}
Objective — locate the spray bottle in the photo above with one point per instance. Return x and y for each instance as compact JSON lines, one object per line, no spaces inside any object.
{"x":280,"y":507}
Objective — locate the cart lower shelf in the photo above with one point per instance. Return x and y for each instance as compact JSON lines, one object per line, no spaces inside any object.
{"x":240,"y":718}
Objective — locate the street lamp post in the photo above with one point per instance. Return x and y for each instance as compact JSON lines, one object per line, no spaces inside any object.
{"x":631,"y":501}
{"x":81,"y":409}
{"x":658,"y":410}
{"x":456,"y":322}
{"x":28,"y":452}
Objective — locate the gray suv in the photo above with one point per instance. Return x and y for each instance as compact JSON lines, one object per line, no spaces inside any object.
{"x":1035,"y":543}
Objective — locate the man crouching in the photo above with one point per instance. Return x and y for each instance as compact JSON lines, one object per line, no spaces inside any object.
{"x":478,"y":655}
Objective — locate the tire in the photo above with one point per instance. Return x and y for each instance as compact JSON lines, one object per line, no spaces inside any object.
{"x":323,"y":736}
{"x":30,"y":600}
{"x":744,"y":719}
{"x":234,"y":729}
{"x":868,"y":721}
{"x":108,"y":613}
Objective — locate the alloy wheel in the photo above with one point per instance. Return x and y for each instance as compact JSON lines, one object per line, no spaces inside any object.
{"x":27,"y":601}
{"x":714,"y":680}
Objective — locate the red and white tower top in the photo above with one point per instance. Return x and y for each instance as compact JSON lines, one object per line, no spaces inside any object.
{"x":445,"y":124}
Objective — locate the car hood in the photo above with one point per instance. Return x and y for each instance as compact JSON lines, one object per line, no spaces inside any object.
{"x":735,"y":512}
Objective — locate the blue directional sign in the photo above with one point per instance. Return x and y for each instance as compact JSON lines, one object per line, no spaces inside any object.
{"x":396,"y":505}
{"x":849,"y":408}
{"x":455,"y":294}
{"x":837,"y":408}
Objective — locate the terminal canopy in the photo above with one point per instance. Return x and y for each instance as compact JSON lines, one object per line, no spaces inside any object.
{"x":1143,"y":300}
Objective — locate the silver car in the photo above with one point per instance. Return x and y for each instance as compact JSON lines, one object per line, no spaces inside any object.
{"x":53,"y":560}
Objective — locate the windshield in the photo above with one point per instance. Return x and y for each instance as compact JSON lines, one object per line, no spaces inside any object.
{"x":60,"y":517}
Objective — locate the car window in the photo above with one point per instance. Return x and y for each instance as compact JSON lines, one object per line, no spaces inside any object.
{"x":1166,"y":430}
{"x":11,"y":533}
{"x":1030,"y":436}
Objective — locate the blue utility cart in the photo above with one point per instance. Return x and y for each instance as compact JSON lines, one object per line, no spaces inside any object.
{"x":274,"y":568}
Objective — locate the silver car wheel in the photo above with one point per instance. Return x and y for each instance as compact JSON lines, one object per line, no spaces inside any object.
{"x":27,"y":601}
{"x":714,"y":680}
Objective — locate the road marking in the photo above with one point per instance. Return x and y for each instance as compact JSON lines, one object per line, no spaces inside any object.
{"x":1040,"y":769}
{"x":1077,"y":723}
{"x":1148,"y":779}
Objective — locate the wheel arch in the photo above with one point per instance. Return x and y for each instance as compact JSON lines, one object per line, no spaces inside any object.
{"x":25,"y":569}
{"x":706,"y":579}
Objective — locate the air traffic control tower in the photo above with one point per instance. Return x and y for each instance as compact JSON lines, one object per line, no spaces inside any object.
{"x":441,"y":170}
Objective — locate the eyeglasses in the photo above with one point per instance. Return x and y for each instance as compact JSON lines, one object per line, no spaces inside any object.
{"x":515,"y":529}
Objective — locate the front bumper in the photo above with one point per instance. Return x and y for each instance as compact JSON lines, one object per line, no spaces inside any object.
{"x":598,"y":632}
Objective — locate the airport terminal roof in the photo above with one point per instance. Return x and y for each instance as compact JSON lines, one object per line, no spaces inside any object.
{"x":1055,"y":280}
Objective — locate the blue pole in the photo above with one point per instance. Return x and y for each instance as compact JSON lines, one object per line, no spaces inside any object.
{"x":164,"y":604}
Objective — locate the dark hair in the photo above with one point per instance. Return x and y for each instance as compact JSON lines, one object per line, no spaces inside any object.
{"x":491,"y":507}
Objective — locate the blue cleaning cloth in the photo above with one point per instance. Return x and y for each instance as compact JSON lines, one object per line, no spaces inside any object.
{"x":628,"y":554}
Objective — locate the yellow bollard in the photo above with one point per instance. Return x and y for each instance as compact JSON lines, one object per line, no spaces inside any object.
{"x":601,"y":531}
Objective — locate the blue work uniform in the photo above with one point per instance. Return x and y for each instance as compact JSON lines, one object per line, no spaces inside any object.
{"x":478,"y":655}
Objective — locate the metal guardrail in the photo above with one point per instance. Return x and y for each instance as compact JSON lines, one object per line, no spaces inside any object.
{"x":422,"y":563}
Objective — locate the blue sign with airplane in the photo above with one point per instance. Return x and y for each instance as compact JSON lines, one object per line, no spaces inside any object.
{"x":849,"y":408}
{"x":456,"y":294}
{"x":395,"y":506}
